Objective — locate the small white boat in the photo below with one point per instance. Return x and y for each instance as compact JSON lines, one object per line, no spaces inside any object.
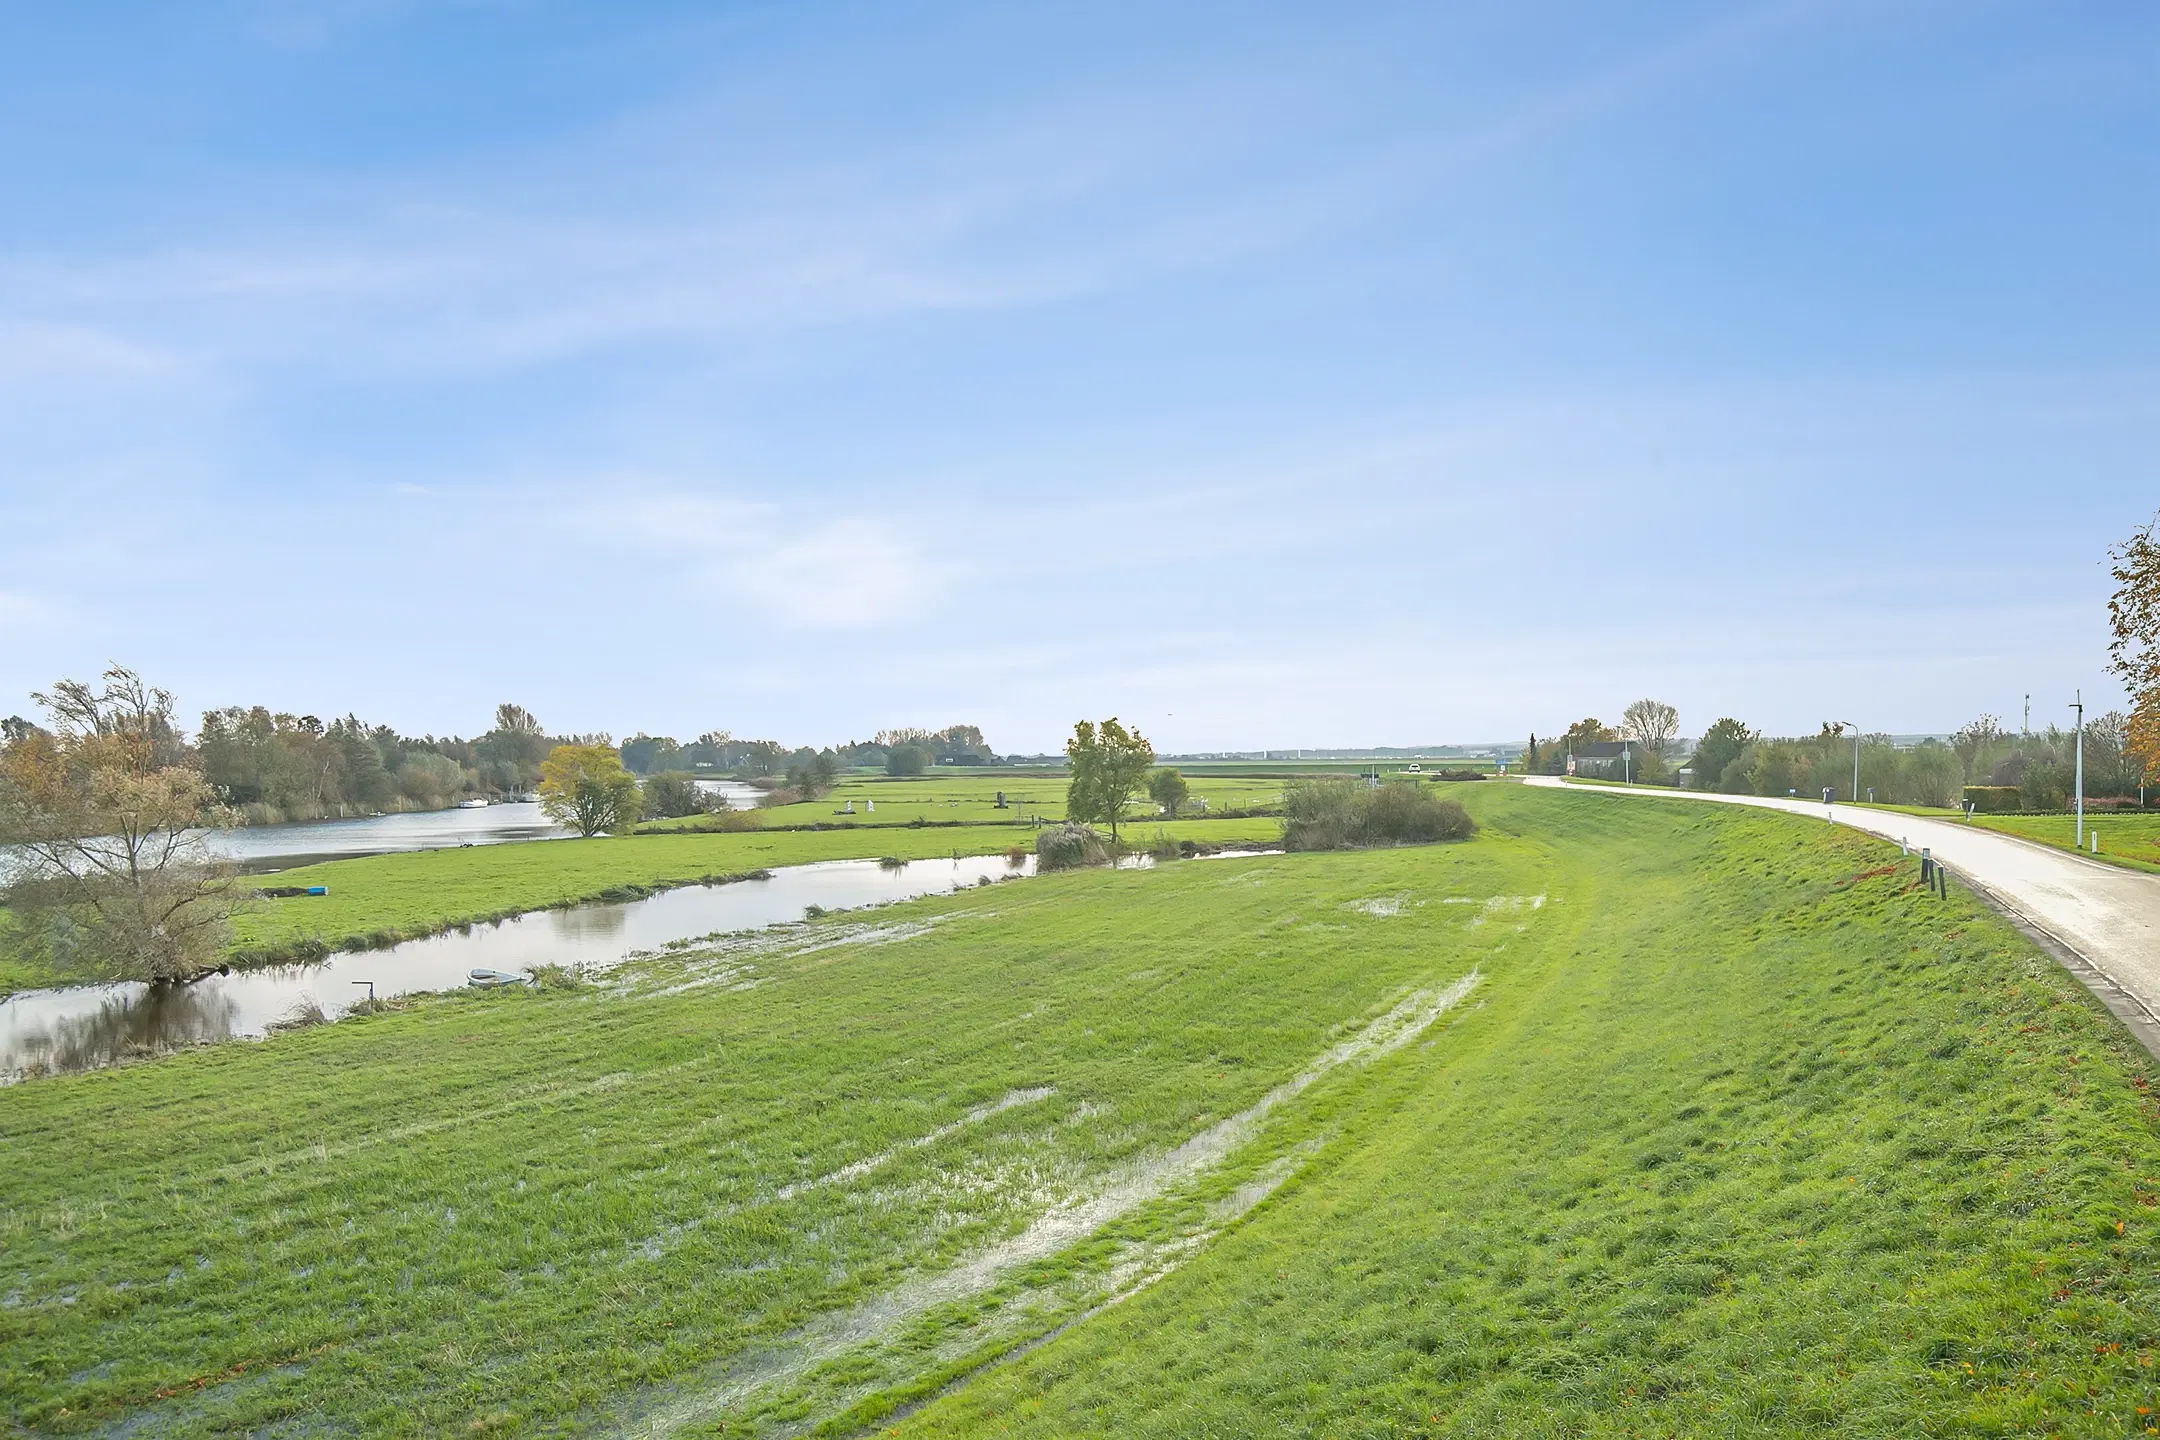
{"x":477,"y":802}
{"x":493,"y":979}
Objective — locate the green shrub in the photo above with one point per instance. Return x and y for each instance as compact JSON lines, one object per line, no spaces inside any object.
{"x":1995,"y":799}
{"x":1065,"y":847}
{"x":1347,"y":814}
{"x":672,"y":796}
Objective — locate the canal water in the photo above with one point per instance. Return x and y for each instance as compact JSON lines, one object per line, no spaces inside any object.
{"x":82,"y":1026}
{"x":259,"y":848}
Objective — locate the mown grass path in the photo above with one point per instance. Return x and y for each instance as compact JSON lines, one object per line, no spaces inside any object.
{"x":1733,"y":1134}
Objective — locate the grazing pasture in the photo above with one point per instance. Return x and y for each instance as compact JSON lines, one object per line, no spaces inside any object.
{"x":1616,"y":1118}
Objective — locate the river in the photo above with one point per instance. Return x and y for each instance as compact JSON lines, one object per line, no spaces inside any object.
{"x":80,"y":1027}
{"x":259,"y":848}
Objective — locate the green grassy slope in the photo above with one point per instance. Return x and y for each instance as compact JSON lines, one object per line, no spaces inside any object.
{"x":1770,"y":1145}
{"x":1736,"y":1133}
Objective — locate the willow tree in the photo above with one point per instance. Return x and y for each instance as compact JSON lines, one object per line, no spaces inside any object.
{"x":1109,"y":769}
{"x":106,"y":813}
{"x":587,"y":788}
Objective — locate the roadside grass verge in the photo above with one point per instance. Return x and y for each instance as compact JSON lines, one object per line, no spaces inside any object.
{"x":1734,"y":1131}
{"x":2130,"y":839}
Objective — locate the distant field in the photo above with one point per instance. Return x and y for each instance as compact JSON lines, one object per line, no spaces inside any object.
{"x":967,"y":795}
{"x":1285,"y":769}
{"x":1614,"y":1120}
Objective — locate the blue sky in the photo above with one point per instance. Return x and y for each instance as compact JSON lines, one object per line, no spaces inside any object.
{"x":1265,"y":375}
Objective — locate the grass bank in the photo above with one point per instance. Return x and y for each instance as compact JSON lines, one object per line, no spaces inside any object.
{"x":1728,"y":1129}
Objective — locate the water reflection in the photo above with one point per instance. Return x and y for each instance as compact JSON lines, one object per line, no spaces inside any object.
{"x":88,"y":1025}
{"x":590,"y":924}
{"x":129,"y":1020}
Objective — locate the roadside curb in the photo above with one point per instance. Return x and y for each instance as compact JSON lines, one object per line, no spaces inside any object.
{"x":2142,"y":1024}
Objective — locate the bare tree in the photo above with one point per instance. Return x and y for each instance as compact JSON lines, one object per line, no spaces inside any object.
{"x":1651,"y":724}
{"x":113,"y":881}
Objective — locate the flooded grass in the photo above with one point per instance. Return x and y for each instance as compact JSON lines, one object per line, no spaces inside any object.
{"x":553,"y":1202}
{"x":1612,"y":1119}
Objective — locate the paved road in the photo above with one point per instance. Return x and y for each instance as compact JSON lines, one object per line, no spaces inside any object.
{"x":2101,"y":921}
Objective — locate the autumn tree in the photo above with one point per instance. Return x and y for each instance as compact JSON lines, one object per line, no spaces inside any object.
{"x":1587,"y":732}
{"x":1168,"y":789}
{"x":587,"y":788}
{"x":107,"y":815}
{"x":2134,"y":652}
{"x":1109,"y":768}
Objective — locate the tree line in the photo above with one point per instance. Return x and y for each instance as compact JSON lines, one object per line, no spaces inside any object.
{"x":2034,"y":770}
{"x":897,"y":752}
{"x":271,"y":766}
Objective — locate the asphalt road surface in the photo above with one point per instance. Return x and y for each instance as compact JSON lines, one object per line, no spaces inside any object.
{"x":2099,"y":920}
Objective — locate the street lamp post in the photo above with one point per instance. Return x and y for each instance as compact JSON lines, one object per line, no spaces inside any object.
{"x":1855,"y":758}
{"x":2079,"y":706}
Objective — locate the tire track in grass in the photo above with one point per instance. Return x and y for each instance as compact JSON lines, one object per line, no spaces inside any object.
{"x":1128,"y":1188}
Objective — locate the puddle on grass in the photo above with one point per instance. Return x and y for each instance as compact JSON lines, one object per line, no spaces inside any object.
{"x":80,"y":1027}
{"x":1124,"y":1191}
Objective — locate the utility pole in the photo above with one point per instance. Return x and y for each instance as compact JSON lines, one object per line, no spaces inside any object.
{"x":2079,"y":706}
{"x":1855,"y":758}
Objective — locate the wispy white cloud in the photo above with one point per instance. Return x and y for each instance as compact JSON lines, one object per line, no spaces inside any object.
{"x":789,"y":566}
{"x":52,"y":353}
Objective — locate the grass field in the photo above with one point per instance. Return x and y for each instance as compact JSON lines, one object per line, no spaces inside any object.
{"x":966,"y":795}
{"x":1621,"y":1118}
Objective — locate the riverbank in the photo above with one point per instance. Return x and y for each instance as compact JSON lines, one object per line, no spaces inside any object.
{"x":381,"y":900}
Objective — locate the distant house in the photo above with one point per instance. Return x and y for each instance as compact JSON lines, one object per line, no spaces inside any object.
{"x":1607,"y":759}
